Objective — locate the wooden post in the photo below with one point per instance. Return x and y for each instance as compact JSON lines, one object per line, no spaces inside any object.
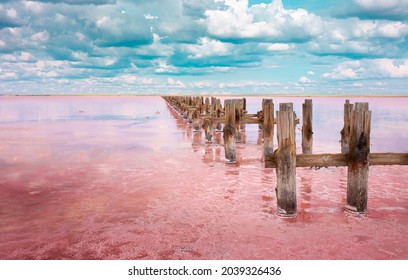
{"x":285,"y":157}
{"x":307,"y":128}
{"x":239,"y":104}
{"x":345,"y":132}
{"x":268,"y":129}
{"x":208,"y":129}
{"x":189,"y":116}
{"x":244,"y":111}
{"x":286,"y":107}
{"x":218,"y":111}
{"x":196,"y":121}
{"x":357,"y":174}
{"x":229,"y":131}
{"x":207,"y":105}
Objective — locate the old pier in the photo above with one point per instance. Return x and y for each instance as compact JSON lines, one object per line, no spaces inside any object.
{"x":355,"y":142}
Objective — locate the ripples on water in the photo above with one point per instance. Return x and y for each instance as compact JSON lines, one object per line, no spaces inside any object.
{"x":127,"y":178}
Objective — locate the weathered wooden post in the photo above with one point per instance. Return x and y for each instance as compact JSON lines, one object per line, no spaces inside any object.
{"x":207,"y":105}
{"x":229,"y":131}
{"x":218,"y":111}
{"x":268,"y":129}
{"x":345,"y":132}
{"x":196,"y":121}
{"x":307,"y":127}
{"x":286,"y":107}
{"x":239,"y":105}
{"x":208,"y":129}
{"x":244,"y":111}
{"x":285,"y":157}
{"x":359,"y":149}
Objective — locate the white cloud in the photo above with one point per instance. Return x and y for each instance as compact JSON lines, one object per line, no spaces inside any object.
{"x":79,"y":36}
{"x":304,"y":80}
{"x":265,"y":22}
{"x":162,"y":67}
{"x":150,"y":17}
{"x":175,"y":83}
{"x":345,"y":71}
{"x":369,"y":68}
{"x":348,"y":37}
{"x":26,"y":56}
{"x":34,"y":7}
{"x":387,"y":68}
{"x":311,"y":73}
{"x":200,"y":84}
{"x":40,"y":36}
{"x":12,"y":13}
{"x":392,"y":30}
{"x":207,"y":47}
{"x":276,"y":46}
{"x":156,"y":48}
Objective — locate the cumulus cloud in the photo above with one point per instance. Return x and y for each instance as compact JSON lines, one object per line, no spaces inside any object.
{"x":207,"y":47}
{"x":263,"y":22}
{"x":368,"y":69}
{"x":360,"y":38}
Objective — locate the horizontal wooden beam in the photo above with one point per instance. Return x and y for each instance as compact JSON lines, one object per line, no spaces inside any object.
{"x":326,"y":160}
{"x":388,"y":159}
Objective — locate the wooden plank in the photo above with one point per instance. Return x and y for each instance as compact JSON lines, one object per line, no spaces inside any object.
{"x":285,"y":157}
{"x":357,"y":172}
{"x":307,"y":127}
{"x":327,"y":160}
{"x":388,"y":158}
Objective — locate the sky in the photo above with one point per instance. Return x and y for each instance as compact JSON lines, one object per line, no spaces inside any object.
{"x":204,"y":47}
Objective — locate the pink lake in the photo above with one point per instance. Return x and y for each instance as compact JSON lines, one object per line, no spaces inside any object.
{"x":127,"y":178}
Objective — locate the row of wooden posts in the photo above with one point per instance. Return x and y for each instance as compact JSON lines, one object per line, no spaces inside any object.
{"x":355,"y":142}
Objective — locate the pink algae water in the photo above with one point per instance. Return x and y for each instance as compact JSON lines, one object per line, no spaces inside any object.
{"x":128,"y":178}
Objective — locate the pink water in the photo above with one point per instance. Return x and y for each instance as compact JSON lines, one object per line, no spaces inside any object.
{"x":127,"y":178}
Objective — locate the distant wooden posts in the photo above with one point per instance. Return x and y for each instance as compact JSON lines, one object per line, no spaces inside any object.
{"x":359,"y":149}
{"x":285,"y":157}
{"x":268,"y":130}
{"x":345,"y":132}
{"x":307,"y":127}
{"x":229,"y":131}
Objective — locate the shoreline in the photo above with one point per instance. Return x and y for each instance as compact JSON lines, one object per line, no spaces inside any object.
{"x":209,"y":95}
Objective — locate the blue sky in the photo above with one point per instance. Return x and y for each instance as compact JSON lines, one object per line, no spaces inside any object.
{"x":207,"y":46}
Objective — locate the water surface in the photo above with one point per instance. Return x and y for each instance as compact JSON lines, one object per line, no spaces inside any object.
{"x":128,"y":178}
